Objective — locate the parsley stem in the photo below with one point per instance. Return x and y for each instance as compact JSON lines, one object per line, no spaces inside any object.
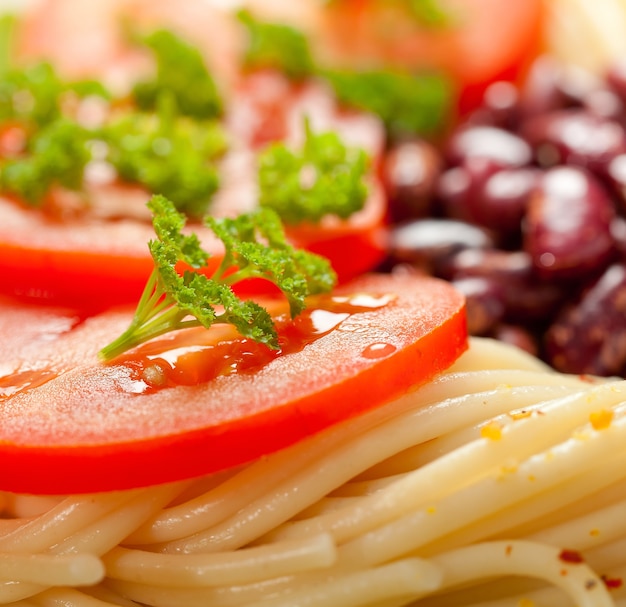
{"x":255,"y":246}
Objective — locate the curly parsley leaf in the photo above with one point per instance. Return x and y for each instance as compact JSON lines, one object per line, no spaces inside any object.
{"x":406,"y":103}
{"x":277,"y":46}
{"x":56,"y":156}
{"x":182,"y":73}
{"x":255,"y":247}
{"x":168,"y":154}
{"x":35,"y":94}
{"x":324,"y":178}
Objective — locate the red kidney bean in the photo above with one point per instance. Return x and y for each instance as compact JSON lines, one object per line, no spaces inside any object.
{"x":576,"y":84}
{"x":615,"y":78}
{"x":499,"y":108}
{"x":484,"y":303}
{"x":526,"y":298}
{"x":529,"y":210}
{"x":618,"y":232}
{"x":567,"y":228}
{"x":410,"y":173}
{"x":542,"y":91}
{"x":551,"y":85}
{"x":430,"y":243}
{"x":590,"y":336}
{"x":452,"y":191}
{"x":459,"y":187}
{"x":606,"y":104}
{"x":499,"y":145}
{"x":502,"y":201}
{"x":505,"y":266}
{"x":616,"y":180}
{"x":575,"y":137}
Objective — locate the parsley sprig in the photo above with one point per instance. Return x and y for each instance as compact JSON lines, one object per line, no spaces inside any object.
{"x":55,"y":156}
{"x":278,"y":46}
{"x":255,"y":247}
{"x":181,"y":72}
{"x":35,"y":95}
{"x":324,"y":178}
{"x":169,"y":154}
{"x":406,"y":103}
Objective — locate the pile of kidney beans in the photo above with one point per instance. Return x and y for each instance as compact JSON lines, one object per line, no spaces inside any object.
{"x":524,"y":210}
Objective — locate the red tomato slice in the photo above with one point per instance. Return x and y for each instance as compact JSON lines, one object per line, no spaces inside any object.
{"x":100,"y":257}
{"x":201,"y":401}
{"x":488,"y":40}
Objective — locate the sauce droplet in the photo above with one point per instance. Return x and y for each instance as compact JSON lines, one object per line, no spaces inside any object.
{"x":378,"y":350}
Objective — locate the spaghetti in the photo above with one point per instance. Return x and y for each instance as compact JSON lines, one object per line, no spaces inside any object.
{"x":501,"y":483}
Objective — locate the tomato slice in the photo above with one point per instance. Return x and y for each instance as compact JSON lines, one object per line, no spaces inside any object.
{"x":486,"y":40}
{"x":200,"y":401}
{"x":99,"y":256}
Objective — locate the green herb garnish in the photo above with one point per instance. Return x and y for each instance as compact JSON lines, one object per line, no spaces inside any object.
{"x":276,"y":46}
{"x":34,"y":95}
{"x":182,"y":73}
{"x":406,"y":103}
{"x":324,"y":178}
{"x":255,"y":247}
{"x":56,"y":156}
{"x":168,"y":154}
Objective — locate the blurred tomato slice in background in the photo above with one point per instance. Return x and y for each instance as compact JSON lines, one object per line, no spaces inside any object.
{"x":480,"y":41}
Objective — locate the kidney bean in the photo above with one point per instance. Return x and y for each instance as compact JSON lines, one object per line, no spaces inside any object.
{"x":502,"y":201}
{"x":452,"y":190}
{"x":410,"y":173}
{"x":526,"y":297}
{"x":430,"y":243}
{"x":484,"y":303}
{"x":505,"y":266}
{"x":567,"y":228}
{"x":529,"y":210}
{"x":460,"y":186}
{"x":542,"y":91}
{"x":499,"y":107}
{"x":499,"y":145}
{"x":575,"y":137}
{"x":618,"y":232}
{"x":606,"y":104}
{"x":616,"y":180}
{"x":615,"y":78}
{"x":576,"y":84}
{"x":590,"y":336}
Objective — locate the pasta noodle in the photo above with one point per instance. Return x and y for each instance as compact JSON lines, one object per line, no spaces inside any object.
{"x":500,"y":484}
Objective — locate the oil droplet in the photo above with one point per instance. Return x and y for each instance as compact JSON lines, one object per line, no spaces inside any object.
{"x":154,"y":376}
{"x":366,"y":300}
{"x":378,"y":350}
{"x":323,"y":321}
